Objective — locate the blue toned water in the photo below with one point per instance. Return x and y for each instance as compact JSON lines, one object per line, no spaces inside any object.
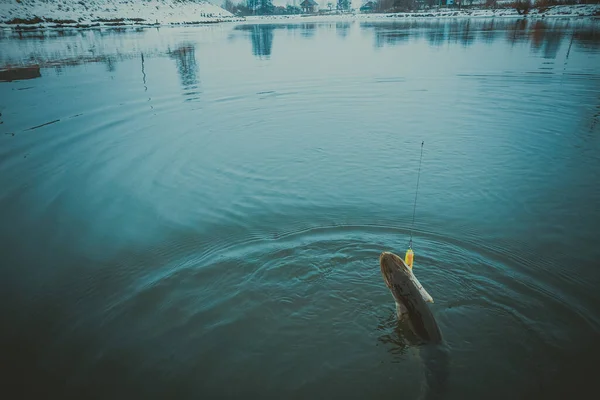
{"x":198,"y":212}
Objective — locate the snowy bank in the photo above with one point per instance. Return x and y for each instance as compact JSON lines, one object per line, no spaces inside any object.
{"x":36,"y":13}
{"x":582,"y":10}
{"x":33,"y":14}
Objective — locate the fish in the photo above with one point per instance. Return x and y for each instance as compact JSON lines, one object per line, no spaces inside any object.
{"x":412,"y":310}
{"x":410,"y":297}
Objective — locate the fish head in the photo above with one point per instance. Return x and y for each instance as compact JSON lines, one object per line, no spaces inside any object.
{"x":396,"y":275}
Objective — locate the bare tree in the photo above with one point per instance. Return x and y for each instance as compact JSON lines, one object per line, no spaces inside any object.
{"x":228,"y":5}
{"x":522,"y":6}
{"x":343,"y":4}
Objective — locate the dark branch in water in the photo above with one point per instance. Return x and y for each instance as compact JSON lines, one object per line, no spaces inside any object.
{"x":20,"y":73}
{"x":144,"y":74}
{"x":47,"y":123}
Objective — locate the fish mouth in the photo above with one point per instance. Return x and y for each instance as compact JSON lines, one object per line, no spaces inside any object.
{"x":390,"y":264}
{"x":394,"y":269}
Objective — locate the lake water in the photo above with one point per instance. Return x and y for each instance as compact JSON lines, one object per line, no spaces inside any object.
{"x":198,"y":212}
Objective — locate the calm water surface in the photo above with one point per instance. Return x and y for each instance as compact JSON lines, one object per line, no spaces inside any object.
{"x":198,"y":212}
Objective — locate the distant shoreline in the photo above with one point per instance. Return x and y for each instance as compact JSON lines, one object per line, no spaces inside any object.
{"x":35,"y":15}
{"x":114,"y":23}
{"x":564,"y":11}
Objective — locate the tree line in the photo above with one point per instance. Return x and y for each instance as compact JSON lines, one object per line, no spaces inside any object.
{"x":266,"y":7}
{"x":522,"y":6}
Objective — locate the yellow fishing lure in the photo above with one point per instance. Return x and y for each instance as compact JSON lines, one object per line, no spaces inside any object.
{"x":409,"y":257}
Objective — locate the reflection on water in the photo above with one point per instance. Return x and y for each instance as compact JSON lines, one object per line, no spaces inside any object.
{"x":187,"y":67}
{"x":342,"y":28}
{"x":545,"y":36}
{"x":588,"y":38}
{"x":110,"y":63}
{"x":548,"y":41}
{"x":261,"y":35}
{"x":72,"y":47}
{"x":262,"y":39}
{"x":308,"y":30}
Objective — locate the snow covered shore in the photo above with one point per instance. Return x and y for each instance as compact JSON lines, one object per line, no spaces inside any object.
{"x":583,"y":10}
{"x":82,"y":13}
{"x":34,"y":14}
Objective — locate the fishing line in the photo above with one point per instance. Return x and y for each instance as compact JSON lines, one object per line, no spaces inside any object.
{"x":416,"y":193}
